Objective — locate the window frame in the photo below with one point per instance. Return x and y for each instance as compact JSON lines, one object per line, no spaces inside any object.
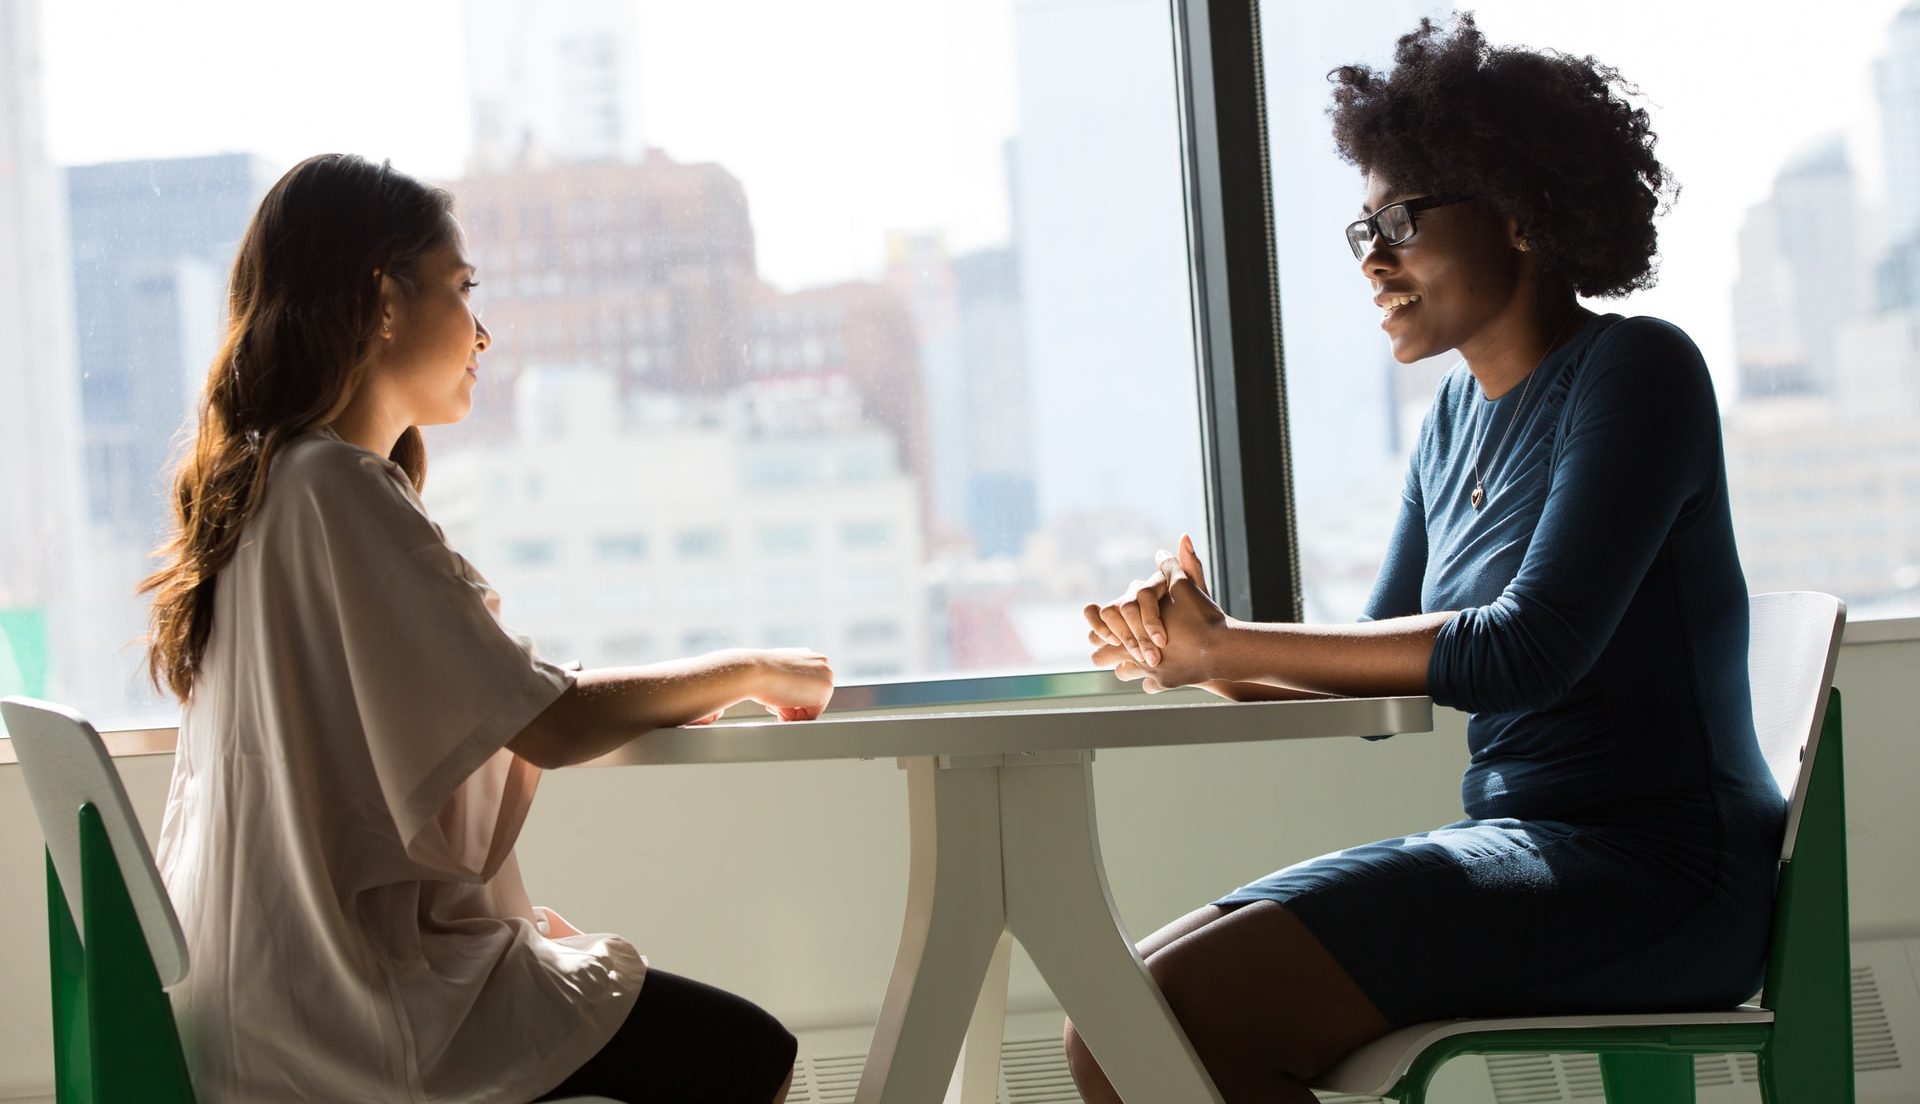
{"x":1233,"y":267}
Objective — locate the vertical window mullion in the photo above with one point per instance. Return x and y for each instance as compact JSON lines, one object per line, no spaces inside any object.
{"x":1236,"y":308}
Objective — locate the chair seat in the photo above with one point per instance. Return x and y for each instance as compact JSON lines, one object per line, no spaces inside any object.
{"x":1376,"y":1068}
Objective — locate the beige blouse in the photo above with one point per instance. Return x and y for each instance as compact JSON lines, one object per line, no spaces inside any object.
{"x":339,"y":832}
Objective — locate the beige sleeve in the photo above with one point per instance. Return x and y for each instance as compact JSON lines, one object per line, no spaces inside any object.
{"x":439,"y":684}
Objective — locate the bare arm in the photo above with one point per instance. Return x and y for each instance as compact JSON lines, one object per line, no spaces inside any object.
{"x":608,"y":707}
{"x":1368,"y":659}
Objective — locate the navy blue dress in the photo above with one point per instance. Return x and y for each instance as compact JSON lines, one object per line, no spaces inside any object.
{"x":1623,"y":831}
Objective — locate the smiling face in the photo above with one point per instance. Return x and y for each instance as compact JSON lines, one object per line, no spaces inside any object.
{"x":431,"y":361}
{"x":1445,"y":286}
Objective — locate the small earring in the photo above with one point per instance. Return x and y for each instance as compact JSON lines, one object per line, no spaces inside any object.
{"x":1524,"y":247}
{"x":386,"y":333}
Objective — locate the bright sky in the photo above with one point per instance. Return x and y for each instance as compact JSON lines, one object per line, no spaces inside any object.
{"x":849,"y":118}
{"x":844,"y":118}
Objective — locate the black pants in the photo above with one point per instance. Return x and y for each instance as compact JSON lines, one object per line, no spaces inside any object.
{"x":688,"y":1043}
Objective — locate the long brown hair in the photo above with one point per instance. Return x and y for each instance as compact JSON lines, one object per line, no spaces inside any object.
{"x":302,"y":314}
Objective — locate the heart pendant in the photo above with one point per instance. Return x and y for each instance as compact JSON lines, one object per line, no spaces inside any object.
{"x":1478,"y":497}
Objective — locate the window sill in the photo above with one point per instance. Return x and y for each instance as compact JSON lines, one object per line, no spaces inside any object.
{"x":987,"y":694}
{"x":1882,"y":630}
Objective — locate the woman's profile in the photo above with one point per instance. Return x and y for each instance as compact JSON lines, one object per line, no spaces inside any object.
{"x":1563,"y":569}
{"x":361,"y":738}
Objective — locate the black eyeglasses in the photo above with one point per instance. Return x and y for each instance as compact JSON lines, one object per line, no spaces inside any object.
{"x":1393,"y":223}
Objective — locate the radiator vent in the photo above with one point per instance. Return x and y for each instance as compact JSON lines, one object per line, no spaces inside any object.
{"x":1720,"y":1071}
{"x":1544,"y":1078}
{"x":1873,"y":1044}
{"x":1034,"y":1071}
{"x":828,"y":1078}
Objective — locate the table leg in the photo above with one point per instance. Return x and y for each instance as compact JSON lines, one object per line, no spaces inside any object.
{"x":955,"y":916}
{"x":1059,"y":907}
{"x":977,"y":1081}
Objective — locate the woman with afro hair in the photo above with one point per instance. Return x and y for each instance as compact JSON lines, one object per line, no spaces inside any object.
{"x":1563,"y":569}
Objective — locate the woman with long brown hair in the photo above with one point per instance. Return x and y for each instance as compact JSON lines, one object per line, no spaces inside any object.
{"x":360,"y":737}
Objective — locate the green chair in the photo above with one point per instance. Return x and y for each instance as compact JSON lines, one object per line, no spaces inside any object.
{"x":114,"y":941}
{"x":1801,"y":1027}
{"x":112,"y":936}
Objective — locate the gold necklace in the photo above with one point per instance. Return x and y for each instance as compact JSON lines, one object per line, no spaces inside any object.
{"x":1479,"y":495}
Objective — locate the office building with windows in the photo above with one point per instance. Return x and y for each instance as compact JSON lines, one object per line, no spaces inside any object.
{"x":647,"y":271}
{"x":153,"y":242}
{"x":776,"y":516}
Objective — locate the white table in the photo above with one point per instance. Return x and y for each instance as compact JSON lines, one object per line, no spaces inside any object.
{"x":1004,"y":846}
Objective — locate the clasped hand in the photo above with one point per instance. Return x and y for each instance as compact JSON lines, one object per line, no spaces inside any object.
{"x":1162,"y":631}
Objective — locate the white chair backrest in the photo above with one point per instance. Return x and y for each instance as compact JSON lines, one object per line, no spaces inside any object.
{"x":66,"y":766}
{"x":1794,"y":644}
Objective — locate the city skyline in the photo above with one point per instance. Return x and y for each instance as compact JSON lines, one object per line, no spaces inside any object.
{"x":782,"y":118}
{"x":1002,"y":368}
{"x":1823,"y":450}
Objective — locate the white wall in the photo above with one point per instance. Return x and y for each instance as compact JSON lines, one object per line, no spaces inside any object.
{"x":786,"y":882}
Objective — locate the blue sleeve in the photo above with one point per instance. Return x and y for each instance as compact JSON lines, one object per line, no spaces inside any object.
{"x":1396,"y":590}
{"x":1638,"y":439}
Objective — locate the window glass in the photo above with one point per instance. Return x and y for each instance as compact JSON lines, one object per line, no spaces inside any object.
{"x":620,"y":547}
{"x":702,"y":544}
{"x":1790,"y":258}
{"x":785,"y":539}
{"x":901,"y":282}
{"x":866,"y":535}
{"x":629,"y":649}
{"x":534,"y":552}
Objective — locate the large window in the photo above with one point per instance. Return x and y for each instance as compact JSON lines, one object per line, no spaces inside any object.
{"x":1792,"y":257}
{"x":858,"y":324}
{"x":872,"y":325}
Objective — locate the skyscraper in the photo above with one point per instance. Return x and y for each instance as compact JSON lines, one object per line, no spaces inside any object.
{"x":1102,"y":244}
{"x":1001,"y":503}
{"x":970,"y":323}
{"x":1799,"y":278}
{"x":152,"y":245}
{"x":1897,"y":81}
{"x":39,"y":416}
{"x":553,"y":82}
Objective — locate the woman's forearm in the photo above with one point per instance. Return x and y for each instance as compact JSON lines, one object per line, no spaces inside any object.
{"x":1368,"y":659}
{"x":610,"y":706}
